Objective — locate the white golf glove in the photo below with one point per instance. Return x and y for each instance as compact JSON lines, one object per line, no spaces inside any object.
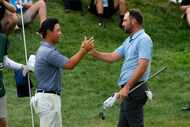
{"x":149,"y":95}
{"x":31,"y":62}
{"x":25,"y":70}
{"x":110,"y":101}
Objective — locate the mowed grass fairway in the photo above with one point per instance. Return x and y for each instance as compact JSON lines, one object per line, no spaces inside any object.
{"x":92,"y":81}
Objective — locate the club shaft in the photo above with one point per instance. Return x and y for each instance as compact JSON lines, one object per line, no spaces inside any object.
{"x":151,"y":77}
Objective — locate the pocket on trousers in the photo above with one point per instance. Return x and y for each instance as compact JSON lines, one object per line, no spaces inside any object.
{"x":139,"y":95}
{"x":44,"y":104}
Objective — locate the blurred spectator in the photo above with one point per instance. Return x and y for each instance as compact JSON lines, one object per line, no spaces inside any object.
{"x":72,"y":5}
{"x":106,"y":8}
{"x":30,"y":10}
{"x":8,"y":18}
{"x":185,"y":7}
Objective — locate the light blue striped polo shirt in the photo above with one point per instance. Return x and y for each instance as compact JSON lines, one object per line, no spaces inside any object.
{"x":137,"y":46}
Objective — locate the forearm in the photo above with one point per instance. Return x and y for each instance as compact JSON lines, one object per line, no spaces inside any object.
{"x":11,"y":64}
{"x":106,"y":57}
{"x":74,"y":60}
{"x":9,"y":7}
{"x":137,"y":74}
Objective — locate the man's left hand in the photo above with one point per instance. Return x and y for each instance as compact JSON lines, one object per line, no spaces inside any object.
{"x":25,"y":70}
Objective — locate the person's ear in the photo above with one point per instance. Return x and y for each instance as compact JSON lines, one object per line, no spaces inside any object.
{"x":48,"y":31}
{"x":133,"y":21}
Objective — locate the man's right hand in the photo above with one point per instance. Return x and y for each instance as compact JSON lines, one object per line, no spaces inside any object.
{"x":87,"y":44}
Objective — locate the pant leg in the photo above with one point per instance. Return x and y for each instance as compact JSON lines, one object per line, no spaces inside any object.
{"x":132,"y":114}
{"x":135,"y":117}
{"x":49,"y":106}
{"x":59,"y":115}
{"x":92,"y":7}
{"x":123,"y":122}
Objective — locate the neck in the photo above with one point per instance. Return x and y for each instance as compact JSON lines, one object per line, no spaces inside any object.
{"x":48,"y":40}
{"x":135,"y":29}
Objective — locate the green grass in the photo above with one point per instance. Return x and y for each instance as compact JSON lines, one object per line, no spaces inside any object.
{"x":89,"y":84}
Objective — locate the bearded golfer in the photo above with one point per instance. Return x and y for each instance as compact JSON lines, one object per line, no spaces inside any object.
{"x":136,"y":51}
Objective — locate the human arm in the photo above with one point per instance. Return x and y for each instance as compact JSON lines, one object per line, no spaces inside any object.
{"x":105,"y":56}
{"x":137,"y":74}
{"x":58,"y":60}
{"x":109,"y":57}
{"x":144,"y":50}
{"x":12,"y":64}
{"x":86,"y":46}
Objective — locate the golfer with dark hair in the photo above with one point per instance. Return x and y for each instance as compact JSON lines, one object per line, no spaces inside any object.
{"x":48,"y":66}
{"x":136,"y":51}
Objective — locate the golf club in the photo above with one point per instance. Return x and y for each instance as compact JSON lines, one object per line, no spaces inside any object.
{"x":111,"y":100}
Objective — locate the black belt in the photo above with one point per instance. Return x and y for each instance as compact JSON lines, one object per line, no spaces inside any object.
{"x":53,"y":92}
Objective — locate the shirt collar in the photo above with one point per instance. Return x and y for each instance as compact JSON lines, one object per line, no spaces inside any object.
{"x":135,"y":35}
{"x":46,"y":44}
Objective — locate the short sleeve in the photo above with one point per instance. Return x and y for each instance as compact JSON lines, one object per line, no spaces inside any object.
{"x":56,"y":59}
{"x":145,"y":48}
{"x":120,"y":51}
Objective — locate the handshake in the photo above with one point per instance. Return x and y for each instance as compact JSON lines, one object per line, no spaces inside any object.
{"x":87,"y":44}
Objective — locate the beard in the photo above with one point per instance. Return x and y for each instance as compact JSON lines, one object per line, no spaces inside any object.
{"x":127,"y":30}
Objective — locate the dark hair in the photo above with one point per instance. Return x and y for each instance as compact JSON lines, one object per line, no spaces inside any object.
{"x":135,"y":13}
{"x":46,"y":25}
